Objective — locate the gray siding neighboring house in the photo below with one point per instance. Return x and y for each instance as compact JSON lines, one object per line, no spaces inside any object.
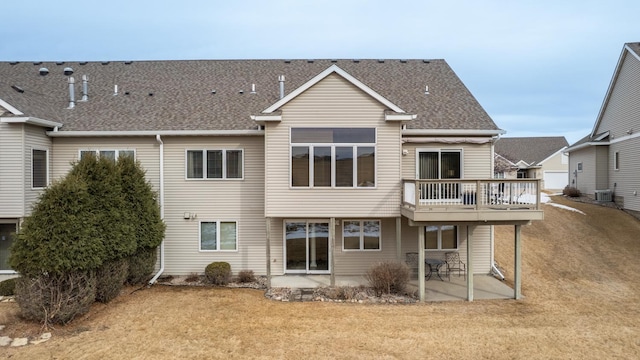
{"x":535,"y":158}
{"x":276,"y":166}
{"x":605,"y":164}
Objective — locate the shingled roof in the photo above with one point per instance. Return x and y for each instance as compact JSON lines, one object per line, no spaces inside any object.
{"x":531,"y":150}
{"x":216,"y":94}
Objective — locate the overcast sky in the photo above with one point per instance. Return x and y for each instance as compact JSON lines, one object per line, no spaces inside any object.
{"x":539,"y":68}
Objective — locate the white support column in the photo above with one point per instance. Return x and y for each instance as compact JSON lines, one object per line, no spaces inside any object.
{"x":268,"y":226}
{"x":332,"y":239}
{"x":421,"y":284}
{"x":399,"y":238}
{"x":517,"y":288}
{"x":470,"y":262}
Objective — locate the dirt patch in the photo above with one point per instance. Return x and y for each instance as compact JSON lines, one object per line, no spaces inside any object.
{"x":579,"y":281}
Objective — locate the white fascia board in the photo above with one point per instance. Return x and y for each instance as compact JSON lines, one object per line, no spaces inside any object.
{"x":452,"y":132}
{"x":584,"y":145}
{"x":332,"y":69}
{"x":552,"y":155}
{"x":154,"y":133}
{"x":10,"y":108}
{"x":400,"y":117}
{"x":266,"y":118}
{"x":30,"y":120}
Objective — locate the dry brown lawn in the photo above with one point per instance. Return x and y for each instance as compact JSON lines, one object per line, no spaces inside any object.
{"x":580,"y":282}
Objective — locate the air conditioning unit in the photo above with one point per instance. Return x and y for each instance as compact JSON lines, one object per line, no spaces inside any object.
{"x":604,"y":195}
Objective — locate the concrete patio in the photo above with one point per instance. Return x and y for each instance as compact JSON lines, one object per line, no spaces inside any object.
{"x":485,"y":287}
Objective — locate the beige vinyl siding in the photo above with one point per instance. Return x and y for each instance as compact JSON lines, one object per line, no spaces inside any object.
{"x":602,"y":168}
{"x":623,"y":106}
{"x":67,"y":150}
{"x":358,"y":262}
{"x":212,"y":200}
{"x":12,"y":163}
{"x":481,"y":237}
{"x":35,"y":138}
{"x":585,"y":180}
{"x":627,"y":178}
{"x":333,"y":102}
{"x":476,"y":159}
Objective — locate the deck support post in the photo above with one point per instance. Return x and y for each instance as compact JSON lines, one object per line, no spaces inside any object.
{"x":470,"y":262}
{"x":517,"y":264}
{"x":421,"y":270}
{"x":332,"y":239}
{"x":399,"y":239}
{"x":268,"y":249}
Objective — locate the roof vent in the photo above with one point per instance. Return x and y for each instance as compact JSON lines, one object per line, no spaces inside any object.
{"x":128,"y":62}
{"x":426,"y":90}
{"x":281,"y":83}
{"x":356,"y":60}
{"x":72,"y":93}
{"x":37,"y":63}
{"x":287,"y":61}
{"x":253,"y":88}
{"x":105,"y":63}
{"x":14,"y":62}
{"x":150,"y":94}
{"x":127,"y":93}
{"x":43,"y":71}
{"x":83,"y":62}
{"x":115,"y":90}
{"x":241,"y":92}
{"x":381,"y":61}
{"x":59,"y":62}
{"x":426,"y":61}
{"x":403,"y":61}
{"x":310,"y":61}
{"x":334,"y":60}
{"x":68,"y":71}
{"x":17,"y":88}
{"x":213,"y":91}
{"x":85,"y":88}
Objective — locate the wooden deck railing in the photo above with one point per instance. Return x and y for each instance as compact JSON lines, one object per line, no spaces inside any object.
{"x":478,"y":194}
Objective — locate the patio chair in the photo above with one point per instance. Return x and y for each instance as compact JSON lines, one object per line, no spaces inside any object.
{"x":455,"y":264}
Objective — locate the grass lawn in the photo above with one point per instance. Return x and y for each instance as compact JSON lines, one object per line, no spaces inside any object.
{"x":580,"y":282}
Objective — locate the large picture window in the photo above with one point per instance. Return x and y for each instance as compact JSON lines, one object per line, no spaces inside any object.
{"x":39,"y":169}
{"x":333,"y":157}
{"x":361,"y":235}
{"x":444,"y":237}
{"x":218,"y":236}
{"x":214,"y":164}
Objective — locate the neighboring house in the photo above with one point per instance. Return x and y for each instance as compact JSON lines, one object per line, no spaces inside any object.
{"x":605,"y":164}
{"x":277,"y":166}
{"x":533,"y":158}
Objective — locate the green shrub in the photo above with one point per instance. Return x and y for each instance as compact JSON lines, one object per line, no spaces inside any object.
{"x":218,"y":273}
{"x":56,"y":298}
{"x":141,"y":265}
{"x":246,"y":276}
{"x":110,"y":278}
{"x":571,"y":191}
{"x":388,"y":277}
{"x":8,"y":287}
{"x":60,"y":235}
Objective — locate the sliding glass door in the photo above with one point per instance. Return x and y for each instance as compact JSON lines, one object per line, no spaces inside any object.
{"x":307,"y":246}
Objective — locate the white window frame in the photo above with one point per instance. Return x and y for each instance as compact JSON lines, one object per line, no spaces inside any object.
{"x":333,"y":146}
{"x":204,"y":164}
{"x":217,"y":222}
{"x":616,"y":161}
{"x":98,"y":151}
{"x":361,"y":247}
{"x":46,"y":151}
{"x":440,"y":248}
{"x":579,"y":166}
{"x":439,"y":151}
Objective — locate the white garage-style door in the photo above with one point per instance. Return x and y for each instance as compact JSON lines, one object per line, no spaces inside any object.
{"x":555,"y":180}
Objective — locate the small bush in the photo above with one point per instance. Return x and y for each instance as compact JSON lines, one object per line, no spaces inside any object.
{"x":141,"y":265}
{"x":218,"y":273}
{"x":110,"y":278}
{"x":56,"y":298}
{"x":193,"y":277}
{"x":570,"y":191}
{"x":8,"y":287}
{"x":246,"y":276}
{"x":388,"y":277}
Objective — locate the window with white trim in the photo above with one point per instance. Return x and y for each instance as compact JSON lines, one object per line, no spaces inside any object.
{"x":579,"y":167}
{"x":333,"y":157}
{"x":441,"y":237}
{"x":218,"y":235}
{"x":361,"y":235}
{"x":616,"y":160}
{"x":39,"y":168}
{"x":215,"y":164}
{"x":109,"y":153}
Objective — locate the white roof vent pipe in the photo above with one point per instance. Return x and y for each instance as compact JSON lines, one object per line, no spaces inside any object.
{"x":85,"y":88}
{"x":115,"y":90}
{"x":72,"y":93}
{"x":253,"y":88}
{"x":281,"y":81}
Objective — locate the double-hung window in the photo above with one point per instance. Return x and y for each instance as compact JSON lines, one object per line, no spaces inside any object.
{"x":214,"y":164}
{"x":361,"y":235}
{"x":333,"y":157}
{"x":218,"y":236}
{"x":444,"y":237}
{"x":108,"y":153}
{"x":39,"y":168}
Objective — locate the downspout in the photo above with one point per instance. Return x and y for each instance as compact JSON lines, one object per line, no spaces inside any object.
{"x":157,"y":275}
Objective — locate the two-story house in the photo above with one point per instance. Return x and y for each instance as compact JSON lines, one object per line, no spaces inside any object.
{"x":605,"y":164}
{"x":276,"y":166}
